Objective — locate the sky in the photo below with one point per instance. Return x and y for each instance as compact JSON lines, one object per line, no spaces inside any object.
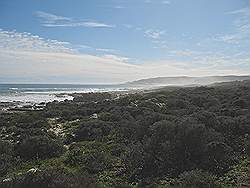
{"x":114,"y":41}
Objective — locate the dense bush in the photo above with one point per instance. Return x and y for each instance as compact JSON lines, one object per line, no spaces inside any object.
{"x":52,"y":177}
{"x":7,"y":159}
{"x":39,"y":147}
{"x":91,"y":130}
{"x":197,"y":179}
{"x":186,"y":137}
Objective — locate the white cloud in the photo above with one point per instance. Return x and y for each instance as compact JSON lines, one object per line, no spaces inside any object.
{"x":52,"y":20}
{"x":166,"y":2}
{"x":113,"y":6}
{"x":115,"y":58}
{"x":241,"y":26}
{"x":156,"y":37}
{"x":82,"y":46}
{"x":106,"y":50}
{"x":245,"y":11}
{"x":119,"y":7}
{"x":185,"y":52}
{"x":79,"y":24}
{"x":11,"y":40}
{"x":154,"y":34}
{"x":28,"y":58}
{"x":25,"y":55}
{"x":128,"y":26}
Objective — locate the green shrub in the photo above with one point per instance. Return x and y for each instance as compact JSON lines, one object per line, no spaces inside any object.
{"x":197,"y":179}
{"x":39,"y":147}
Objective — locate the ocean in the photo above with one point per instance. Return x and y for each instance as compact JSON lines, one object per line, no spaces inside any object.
{"x":37,"y":93}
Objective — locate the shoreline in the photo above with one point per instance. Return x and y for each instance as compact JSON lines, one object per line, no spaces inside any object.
{"x":31,"y":105}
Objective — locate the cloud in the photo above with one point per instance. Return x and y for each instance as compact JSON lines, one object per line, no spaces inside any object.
{"x":245,"y":11}
{"x":165,"y":2}
{"x":119,"y":7}
{"x":185,"y":52}
{"x":115,"y":58}
{"x":156,"y":37}
{"x":11,"y":40}
{"x":32,"y":59}
{"x":82,"y":46}
{"x":105,"y":50}
{"x":211,"y":60}
{"x":79,"y":24}
{"x":241,"y":26}
{"x":154,"y":34}
{"x":128,"y":26}
{"x":52,"y":20}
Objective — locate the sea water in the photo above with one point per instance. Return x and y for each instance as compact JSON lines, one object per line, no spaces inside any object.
{"x":37,"y":93}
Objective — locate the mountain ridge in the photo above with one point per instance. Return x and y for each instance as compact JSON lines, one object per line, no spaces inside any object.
{"x":185,"y":80}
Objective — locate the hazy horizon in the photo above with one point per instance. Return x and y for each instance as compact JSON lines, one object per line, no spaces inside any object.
{"x":110,"y":84}
{"x":112,"y":42}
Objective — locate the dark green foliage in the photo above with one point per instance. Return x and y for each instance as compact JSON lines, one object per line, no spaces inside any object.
{"x":6,"y":148}
{"x":189,"y":137}
{"x":219,"y":157}
{"x":6,"y":163}
{"x":238,"y":176}
{"x":39,"y":147}
{"x":7,"y":159}
{"x":93,"y":129}
{"x":55,"y":177}
{"x":197,"y":179}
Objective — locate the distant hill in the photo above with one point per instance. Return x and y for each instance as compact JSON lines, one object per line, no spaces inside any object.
{"x":184,"y":81}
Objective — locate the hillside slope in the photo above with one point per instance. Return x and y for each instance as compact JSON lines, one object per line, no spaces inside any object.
{"x":184,"y":81}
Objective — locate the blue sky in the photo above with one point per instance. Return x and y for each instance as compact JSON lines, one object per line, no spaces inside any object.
{"x":111,"y":41}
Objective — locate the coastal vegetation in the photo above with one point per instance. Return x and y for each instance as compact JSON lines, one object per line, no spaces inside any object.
{"x":182,"y":137}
